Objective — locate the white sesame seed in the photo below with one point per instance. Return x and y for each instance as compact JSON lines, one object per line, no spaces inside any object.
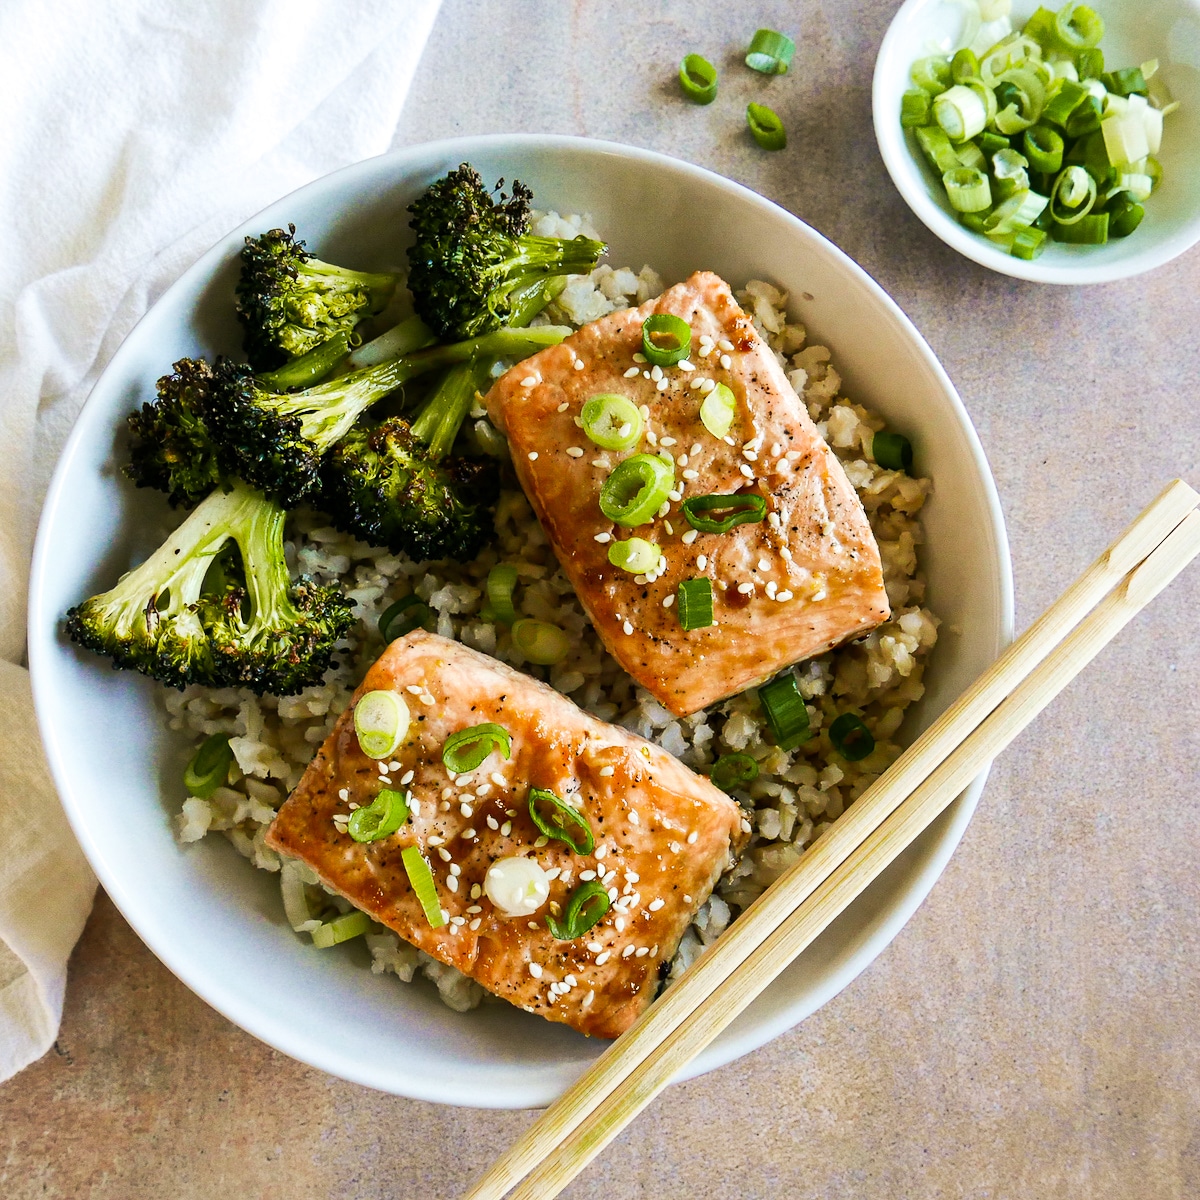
{"x":443,"y":854}
{"x":639,"y":357}
{"x":570,"y":981}
{"x":670,"y":528}
{"x":771,"y":585}
{"x":632,"y":877}
{"x":652,"y":437}
{"x":645,"y":411}
{"x":562,"y":407}
{"x":786,"y":553}
{"x":607,"y":772}
{"x":475,"y":924}
{"x":707,"y":350}
{"x":725,"y":361}
{"x":773,"y":520}
{"x":745,"y":588}
{"x":707,"y":386}
{"x":452,"y":882}
{"x":407,"y":778}
{"x":764,"y":564}
{"x":506,"y":828}
{"x":627,"y":629}
{"x":696,"y":447}
{"x":603,"y":957}
{"x":612,"y":893}
{"x":628,"y":951}
{"x":634,"y":819}
{"x":642,"y":951}
{"x":458,"y":921}
{"x":587,"y":1000}
{"x":444,"y":806}
{"x":664,"y":509}
{"x":492,"y":823}
{"x":728,"y":440}
{"x":690,"y":474}
{"x":455,"y":869}
{"x":696,"y":381}
{"x":354,"y":806}
{"x":531,"y":924}
{"x":689,"y":537}
{"x":675,"y":496}
{"x":535,"y":969}
{"x":542,"y":840}
{"x":785,"y":596}
{"x":686,"y":898}
{"x":745,"y":470}
{"x":667,"y":441}
{"x":474,"y":908}
{"x":533,"y":456}
{"x":668,"y":601}
{"x":619,"y":925}
{"x":579,"y":364}
{"x":435,"y":840}
{"x":725,"y":344}
{"x":750,"y":456}
{"x":601,"y":852}
{"x":415,"y":688}
{"x":602,"y":463}
{"x":476,"y":892}
{"x":661,"y":385}
{"x":585,"y":875}
{"x":578,"y":421}
{"x":632,"y":372}
{"x":640,"y":579}
{"x":344,"y":794}
{"x":684,"y":365}
{"x":656,"y":373}
{"x":645,"y":374}
{"x":468,"y":834}
{"x":575,"y":451}
{"x":595,"y":947}
{"x":497,"y":778}
{"x":529,"y":381}
{"x":608,"y":877}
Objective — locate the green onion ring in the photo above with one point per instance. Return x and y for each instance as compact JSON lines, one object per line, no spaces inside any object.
{"x":1072,"y":196}
{"x":209,"y":768}
{"x":1078,"y":27}
{"x":540,"y":642}
{"x":698,"y":79}
{"x":738,"y":508}
{"x":892,"y":451}
{"x":766,"y":127}
{"x":968,"y":189}
{"x":381,"y":721}
{"x":916,"y":108}
{"x":465,"y":750}
{"x":718,"y":409}
{"x":559,"y":820}
{"x":677,"y":334}
{"x":1092,"y":230}
{"x":1124,"y":216}
{"x":612,"y":421}
{"x":694,"y":603}
{"x":636,"y":489}
{"x":501,"y":580}
{"x":964,"y":65}
{"x":635,"y":555}
{"x":586,"y":907}
{"x":851,"y":738}
{"x":407,"y":614}
{"x":770,"y":52}
{"x":785,"y":712}
{"x":383,"y":816}
{"x":731,"y":770}
{"x":420,"y":878}
{"x":341,"y":929}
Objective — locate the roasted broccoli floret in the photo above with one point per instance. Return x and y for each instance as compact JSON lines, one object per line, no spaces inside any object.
{"x":276,"y":441}
{"x":288,"y":301}
{"x":181,"y":619}
{"x":473,"y":258}
{"x":394,"y":485}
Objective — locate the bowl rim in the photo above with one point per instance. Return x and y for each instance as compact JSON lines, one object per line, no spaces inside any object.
{"x":899,"y":160}
{"x":43,"y":644}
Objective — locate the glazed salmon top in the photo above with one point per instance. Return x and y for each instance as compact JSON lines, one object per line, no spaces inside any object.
{"x":663,"y":834}
{"x":796,"y":583}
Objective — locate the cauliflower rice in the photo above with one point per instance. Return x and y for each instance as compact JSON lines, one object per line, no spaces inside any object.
{"x":797,"y":793}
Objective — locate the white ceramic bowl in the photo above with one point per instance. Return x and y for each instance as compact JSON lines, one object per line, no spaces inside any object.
{"x":218,"y":923}
{"x":1135,"y":30}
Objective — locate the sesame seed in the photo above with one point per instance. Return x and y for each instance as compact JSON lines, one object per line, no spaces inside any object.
{"x":725,"y":361}
{"x":684,"y":365}
{"x":645,"y":374}
{"x":670,"y":528}
{"x":656,"y":373}
{"x":452,"y":882}
{"x":455,"y":869}
{"x":667,"y":441}
{"x":695,"y":448}
{"x":707,"y":386}
{"x":771,"y":585}
{"x":645,"y":411}
{"x":585,"y":875}
{"x":707,"y":350}
{"x":664,"y":509}
{"x":579,"y":364}
{"x":383,"y":778}
{"x":675,"y":496}
{"x":476,"y":892}
{"x":553,"y":873}
{"x":563,"y":407}
{"x":632,"y":372}
{"x":619,"y":923}
{"x":344,"y":794}
{"x":608,"y":878}
{"x":764,"y":564}
{"x":529,"y":381}
{"x":690,"y":474}
{"x":642,"y":951}
{"x":634,"y":819}
{"x":773,"y":520}
{"x":640,"y":579}
{"x":506,"y":828}
{"x":575,"y":451}
{"x":531,"y":925}
{"x":444,"y":806}
{"x":603,"y":957}
{"x":570,"y":981}
{"x":612,"y":894}
{"x":785,"y":596}
{"x":407,"y":777}
{"x":587,"y":1000}
{"x":696,"y":381}
{"x":639,"y":357}
{"x":435,"y":840}
{"x":689,"y":537}
{"x":628,"y":951}
{"x":595,"y":947}
{"x":668,"y":601}
{"x":627,"y":629}
{"x":661,"y":385}
{"x":533,"y":456}
{"x":475,"y":924}
{"x":786,"y":553}
{"x":468,"y":835}
{"x":745,"y":588}
{"x":497,"y":778}
{"x":415,"y":688}
{"x":492,"y":823}
{"x":725,"y":344}
{"x":601,"y":852}
{"x":578,"y":422}
{"x":535,"y":969}
{"x":633,"y":877}
{"x":652,"y":437}
{"x":443,"y":854}
{"x":542,"y":840}
{"x":750,"y":456}
{"x":602,"y":463}
{"x":602,"y":538}
{"x":607,"y":772}
{"x":474,"y":908}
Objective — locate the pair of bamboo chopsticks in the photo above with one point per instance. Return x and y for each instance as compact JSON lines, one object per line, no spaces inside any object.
{"x":871,"y":834}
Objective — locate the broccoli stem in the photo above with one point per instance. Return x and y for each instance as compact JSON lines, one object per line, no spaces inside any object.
{"x":439,"y":421}
{"x":309,"y":368}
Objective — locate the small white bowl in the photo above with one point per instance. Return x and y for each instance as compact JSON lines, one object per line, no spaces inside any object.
{"x":1135,"y":30}
{"x":217,"y":922}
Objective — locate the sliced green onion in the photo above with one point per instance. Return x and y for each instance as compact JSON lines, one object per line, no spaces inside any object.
{"x":465,"y":750}
{"x":970,"y":155}
{"x":770,"y":52}
{"x":851,"y":738}
{"x":766,"y":127}
{"x":637,"y":489}
{"x":1072,"y":196}
{"x":1008,"y":167}
{"x":964,"y":65}
{"x":1125,"y":138}
{"x":968,"y":189}
{"x":1090,"y":63}
{"x":935,"y":145}
{"x":309,"y":368}
{"x":892,"y":451}
{"x":1040,"y":27}
{"x":1091,"y":230}
{"x":209,"y":768}
{"x":785,"y":712}
{"x":611,"y":421}
{"x":1084,"y":118}
{"x":694,"y":603}
{"x":540,"y":642}
{"x":381,"y":721}
{"x":960,"y":112}
{"x":586,"y":907}
{"x":383,"y":816}
{"x":933,"y":74}
{"x":1128,"y":81}
{"x":407,"y":614}
{"x":1124,"y":216}
{"x":420,"y":878}
{"x":720,"y":512}
{"x":559,"y":820}
{"x":993,"y":10}
{"x":990,"y":143}
{"x":341,"y":929}
{"x":1152,"y":167}
{"x":1078,"y":27}
{"x":666,"y":339}
{"x":916,"y":108}
{"x":698,"y":79}
{"x":975,"y":222}
{"x":732,"y":770}
{"x":718,"y":409}
{"x":1043,"y":148}
{"x":501,"y":581}
{"x":1028,"y":243}
{"x":1062,"y":101}
{"x":1020,"y":210}
{"x":635,"y":555}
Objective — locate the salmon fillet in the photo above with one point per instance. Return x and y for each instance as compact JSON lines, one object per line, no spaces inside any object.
{"x":663,"y":835}
{"x":795,"y":584}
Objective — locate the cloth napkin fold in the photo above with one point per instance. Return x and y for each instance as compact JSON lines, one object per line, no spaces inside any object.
{"x":138,"y":132}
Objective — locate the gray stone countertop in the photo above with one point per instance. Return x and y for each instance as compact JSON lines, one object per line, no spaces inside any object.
{"x":1033,"y":1030}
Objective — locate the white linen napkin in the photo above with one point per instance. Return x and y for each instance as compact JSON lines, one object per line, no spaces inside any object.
{"x":137,"y":133}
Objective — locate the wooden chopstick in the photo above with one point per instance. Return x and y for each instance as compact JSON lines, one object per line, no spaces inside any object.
{"x":881,"y":823}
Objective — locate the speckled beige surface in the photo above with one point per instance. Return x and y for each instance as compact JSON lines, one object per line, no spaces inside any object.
{"x":1033,"y":1031}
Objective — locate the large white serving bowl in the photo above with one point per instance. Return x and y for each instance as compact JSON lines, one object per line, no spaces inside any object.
{"x":1135,"y":31}
{"x":218,"y":923}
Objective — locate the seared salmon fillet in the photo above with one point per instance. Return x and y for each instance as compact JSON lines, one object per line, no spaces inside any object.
{"x":803,"y":578}
{"x":662,"y":835}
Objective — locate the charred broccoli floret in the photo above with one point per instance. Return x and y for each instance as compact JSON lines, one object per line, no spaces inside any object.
{"x":276,"y":441}
{"x":394,"y":485}
{"x":244,"y":625}
{"x":289,"y":302}
{"x":474,"y":259}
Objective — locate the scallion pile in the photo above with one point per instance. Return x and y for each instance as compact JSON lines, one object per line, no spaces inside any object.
{"x":1033,"y":139}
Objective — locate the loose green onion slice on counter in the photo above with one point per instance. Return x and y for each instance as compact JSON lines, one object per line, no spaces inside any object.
{"x":407,"y":614}
{"x":892,"y":451}
{"x":636,"y":489}
{"x":694,"y":603}
{"x":719,"y":513}
{"x":1124,"y":215}
{"x":209,"y":768}
{"x":770,"y":52}
{"x":635,"y":555}
{"x":916,"y":108}
{"x":611,"y":421}
{"x":666,"y":339}
{"x":501,"y":581}
{"x":698,"y":79}
{"x":559,"y":820}
{"x":961,"y":113}
{"x":420,"y":877}
{"x":381,"y":721}
{"x":731,"y":770}
{"x":540,"y":642}
{"x":718,"y":409}
{"x":383,"y":816}
{"x":785,"y":712}
{"x":1078,"y":27}
{"x":766,"y":127}
{"x":341,"y":929}
{"x":465,"y":750}
{"x":932,"y":74}
{"x":585,"y":908}
{"x":851,"y":738}
{"x":968,"y":189}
